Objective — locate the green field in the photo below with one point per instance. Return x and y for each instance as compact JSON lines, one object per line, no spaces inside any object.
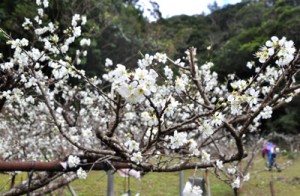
{"x":285,"y":183}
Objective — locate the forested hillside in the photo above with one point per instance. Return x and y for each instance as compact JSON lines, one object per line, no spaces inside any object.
{"x":234,"y":34}
{"x":120,"y":32}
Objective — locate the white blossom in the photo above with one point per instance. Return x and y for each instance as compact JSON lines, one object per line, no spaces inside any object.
{"x":83,"y":20}
{"x":81,"y":174}
{"x":46,"y":3}
{"x":246,"y":177}
{"x":85,"y":42}
{"x":137,"y":157}
{"x":73,"y":161}
{"x":205,"y":157}
{"x":27,"y":23}
{"x":219,"y":164}
{"x":231,"y":170}
{"x":87,"y":133}
{"x":75,"y":19}
{"x":38,"y":2}
{"x":161,"y":57}
{"x":206,"y":129}
{"x":168,"y":72}
{"x":178,"y":139}
{"x":267,"y":112}
{"x":40,"y":12}
{"x":108,"y":62}
{"x":190,"y":189}
{"x":236,"y":183}
{"x":250,"y":64}
{"x":146,"y":61}
{"x":193,"y":147}
{"x":132,"y":145}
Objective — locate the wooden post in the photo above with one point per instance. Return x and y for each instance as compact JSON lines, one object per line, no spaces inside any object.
{"x":272,"y":187}
{"x":110,"y":183}
{"x":207,"y":182}
{"x":181,"y":181}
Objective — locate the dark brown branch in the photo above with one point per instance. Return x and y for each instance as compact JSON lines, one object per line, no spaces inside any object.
{"x":54,"y":185}
{"x":238,"y":141}
{"x":113,"y":126}
{"x":38,"y":181}
{"x":56,"y":166}
{"x":178,"y":66}
{"x":196,"y":80}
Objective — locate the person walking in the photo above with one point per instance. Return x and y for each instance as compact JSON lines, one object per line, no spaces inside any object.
{"x":269,"y":149}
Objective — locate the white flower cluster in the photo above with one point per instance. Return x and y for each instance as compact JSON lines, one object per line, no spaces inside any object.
{"x":235,"y":101}
{"x":177,"y":140}
{"x":45,"y":3}
{"x":210,"y":79}
{"x":251,"y":97}
{"x":206,"y":128}
{"x":132,"y":145}
{"x":81,"y":174}
{"x":161,"y":57}
{"x":231,"y":170}
{"x":181,"y":83}
{"x":172,"y":106}
{"x":205,"y":157}
{"x":283,"y":49}
{"x":137,"y":157}
{"x":246,"y":177}
{"x":168,"y":72}
{"x":73,"y":161}
{"x":87,"y":133}
{"x":149,"y":118}
{"x":193,"y":147}
{"x":219,"y":164}
{"x":267,"y":112}
{"x":236,"y":183}
{"x":108,"y":62}
{"x":133,"y":86}
{"x":149,"y":59}
{"x":85,"y":42}
{"x":192,"y":190}
{"x":133,"y":149}
{"x":146,"y":61}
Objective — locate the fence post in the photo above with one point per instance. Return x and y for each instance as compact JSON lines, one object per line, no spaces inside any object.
{"x":272,"y":187}
{"x":181,"y":181}
{"x":110,"y":183}
{"x":207,"y":182}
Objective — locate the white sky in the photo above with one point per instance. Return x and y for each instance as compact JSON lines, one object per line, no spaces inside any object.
{"x":170,"y":8}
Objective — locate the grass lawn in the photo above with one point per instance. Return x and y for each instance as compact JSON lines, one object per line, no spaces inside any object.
{"x":152,"y":184}
{"x":286,"y":183}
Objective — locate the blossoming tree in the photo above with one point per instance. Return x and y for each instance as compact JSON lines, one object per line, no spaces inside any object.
{"x":165,"y":115}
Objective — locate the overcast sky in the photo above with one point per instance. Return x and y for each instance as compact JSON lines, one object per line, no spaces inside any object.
{"x":189,"y":7}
